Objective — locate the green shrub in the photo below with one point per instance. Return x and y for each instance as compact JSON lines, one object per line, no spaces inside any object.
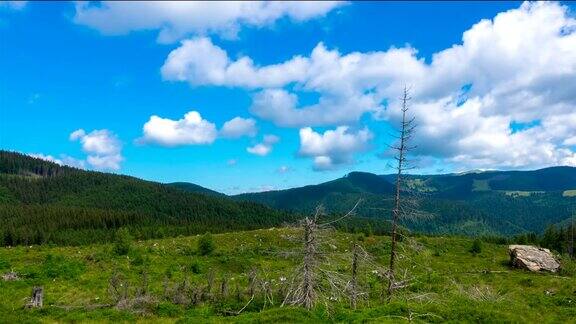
{"x":476,"y":247}
{"x":123,"y":242}
{"x":195,"y":267}
{"x":206,"y":244}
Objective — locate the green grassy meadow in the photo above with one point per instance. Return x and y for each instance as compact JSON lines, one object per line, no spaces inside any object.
{"x":449,"y":283}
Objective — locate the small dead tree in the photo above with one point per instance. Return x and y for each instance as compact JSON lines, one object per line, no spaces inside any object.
{"x":305,"y":286}
{"x":305,"y":292}
{"x":354,"y":290}
{"x":224,"y":288}
{"x":310,"y":257}
{"x":402,"y":148}
{"x":252,"y":278}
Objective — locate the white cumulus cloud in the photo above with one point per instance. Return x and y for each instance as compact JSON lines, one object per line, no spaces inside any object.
{"x":333,"y":147}
{"x":238,"y":127}
{"x":265,"y":146}
{"x":190,"y":130}
{"x":103,"y":148}
{"x":176,"y":19}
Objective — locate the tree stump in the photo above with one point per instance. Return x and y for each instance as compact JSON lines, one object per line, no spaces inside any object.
{"x":36,"y":301}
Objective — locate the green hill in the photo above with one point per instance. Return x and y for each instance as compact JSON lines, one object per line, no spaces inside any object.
{"x":191,"y":187}
{"x":475,"y":203}
{"x":343,"y":191}
{"x":43,"y":202}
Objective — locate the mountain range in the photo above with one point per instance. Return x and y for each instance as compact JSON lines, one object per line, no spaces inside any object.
{"x":487,"y":203}
{"x":43,"y":202}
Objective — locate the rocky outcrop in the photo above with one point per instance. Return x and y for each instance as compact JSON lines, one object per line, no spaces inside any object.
{"x":533,"y":258}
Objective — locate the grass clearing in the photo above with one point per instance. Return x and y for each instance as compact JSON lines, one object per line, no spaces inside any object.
{"x":451,"y":284}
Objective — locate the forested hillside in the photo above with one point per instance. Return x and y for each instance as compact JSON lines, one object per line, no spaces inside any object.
{"x":465,"y":185}
{"x":44,"y":202}
{"x":191,"y":187}
{"x":484,"y":203}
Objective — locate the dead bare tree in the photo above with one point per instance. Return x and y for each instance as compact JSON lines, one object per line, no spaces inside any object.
{"x":252,"y":277}
{"x":138,"y":301}
{"x":402,"y":148}
{"x":305,"y":286}
{"x":305,"y":292}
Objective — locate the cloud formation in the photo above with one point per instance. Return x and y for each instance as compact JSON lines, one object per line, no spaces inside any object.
{"x":238,"y":127}
{"x":190,"y":130}
{"x":333,"y":147}
{"x":265,"y":146}
{"x":103,"y":147}
{"x":177,"y":19}
{"x":519,"y":67}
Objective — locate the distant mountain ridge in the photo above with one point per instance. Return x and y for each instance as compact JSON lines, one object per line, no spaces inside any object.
{"x":560,"y":178}
{"x":489,"y":202}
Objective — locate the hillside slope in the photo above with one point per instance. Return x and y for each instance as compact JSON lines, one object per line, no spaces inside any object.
{"x":344,"y":191}
{"x":41,"y":201}
{"x":496,"y":202}
{"x":464,"y":185}
{"x":192,"y":187}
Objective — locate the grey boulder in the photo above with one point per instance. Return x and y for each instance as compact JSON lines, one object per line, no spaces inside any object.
{"x":533,"y":258}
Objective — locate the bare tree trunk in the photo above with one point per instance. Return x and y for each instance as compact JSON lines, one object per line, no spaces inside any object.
{"x":402,"y":148}
{"x":354,"y":279}
{"x":37,"y":299}
{"x":224,"y":288}
{"x":252,"y":282}
{"x":308,"y":277}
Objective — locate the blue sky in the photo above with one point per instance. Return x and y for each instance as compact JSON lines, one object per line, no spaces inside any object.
{"x":501,"y":96}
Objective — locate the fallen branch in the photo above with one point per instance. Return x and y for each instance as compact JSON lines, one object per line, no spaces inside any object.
{"x":241,"y":309}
